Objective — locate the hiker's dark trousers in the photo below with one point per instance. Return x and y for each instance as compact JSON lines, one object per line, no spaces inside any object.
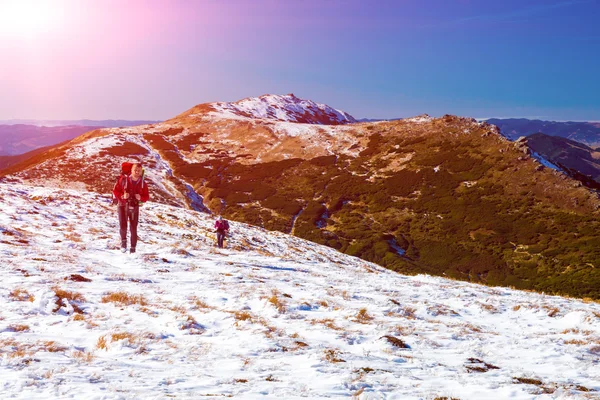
{"x":131,"y":214}
{"x":220,"y":237}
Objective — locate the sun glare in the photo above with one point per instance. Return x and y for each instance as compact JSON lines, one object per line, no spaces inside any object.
{"x":27,"y":18}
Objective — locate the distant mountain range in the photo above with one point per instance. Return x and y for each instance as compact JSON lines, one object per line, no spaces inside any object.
{"x":16,"y":139}
{"x":576,"y":159}
{"x":447,"y":196}
{"x":19,"y":139}
{"x":107,"y":123}
{"x":584,"y":132}
{"x":7,"y":161}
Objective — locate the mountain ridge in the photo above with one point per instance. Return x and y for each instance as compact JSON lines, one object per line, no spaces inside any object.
{"x":587,"y":133}
{"x":447,"y":196}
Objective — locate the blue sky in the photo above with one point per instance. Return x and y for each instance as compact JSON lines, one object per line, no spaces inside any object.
{"x":377,"y":59}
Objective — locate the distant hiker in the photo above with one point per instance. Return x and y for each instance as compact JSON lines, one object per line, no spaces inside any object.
{"x":222,"y":228}
{"x":129,"y":191}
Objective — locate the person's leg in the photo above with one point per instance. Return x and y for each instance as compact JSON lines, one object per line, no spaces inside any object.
{"x":134,"y":213}
{"x":220,"y":239}
{"x":123,"y":225}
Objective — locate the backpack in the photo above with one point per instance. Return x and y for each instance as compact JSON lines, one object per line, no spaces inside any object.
{"x":223,"y":225}
{"x":126,"y":168}
{"x":125,"y":171}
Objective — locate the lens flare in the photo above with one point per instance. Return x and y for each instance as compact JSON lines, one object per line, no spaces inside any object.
{"x":27,"y":18}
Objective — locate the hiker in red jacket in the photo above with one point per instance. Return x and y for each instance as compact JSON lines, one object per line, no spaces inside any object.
{"x":222,"y":228}
{"x":130,"y":191}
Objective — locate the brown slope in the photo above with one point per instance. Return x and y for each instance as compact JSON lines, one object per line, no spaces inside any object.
{"x":489,"y":214}
{"x":446,"y":196}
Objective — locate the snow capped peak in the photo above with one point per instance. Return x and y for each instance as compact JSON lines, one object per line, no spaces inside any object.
{"x":419,"y":119}
{"x":287,"y":108}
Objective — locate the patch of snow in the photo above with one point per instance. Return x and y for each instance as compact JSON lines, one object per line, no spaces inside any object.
{"x":419,"y":119}
{"x":394,"y":245}
{"x":544,"y":161}
{"x":287,"y":108}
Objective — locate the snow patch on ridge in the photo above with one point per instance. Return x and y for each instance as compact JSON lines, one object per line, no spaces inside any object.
{"x":544,"y":161}
{"x":287,"y":108}
{"x":419,"y":119}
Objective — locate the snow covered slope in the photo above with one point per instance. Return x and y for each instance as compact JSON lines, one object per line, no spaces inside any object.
{"x":287,"y":108}
{"x":270,"y":316}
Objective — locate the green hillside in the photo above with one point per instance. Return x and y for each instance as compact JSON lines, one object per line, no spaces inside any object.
{"x":438,"y":200}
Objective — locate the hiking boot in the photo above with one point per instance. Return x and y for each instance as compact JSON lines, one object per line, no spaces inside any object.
{"x":123,"y":249}
{"x":132,"y":250}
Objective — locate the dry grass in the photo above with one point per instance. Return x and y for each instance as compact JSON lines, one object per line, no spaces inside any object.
{"x":201,"y":305}
{"x":323,"y":303}
{"x":527,"y":381}
{"x":490,"y":308}
{"x":242,"y":316}
{"x":476,"y":365}
{"x":333,"y":356}
{"x":115,"y":337}
{"x":78,"y":278}
{"x":576,"y":341}
{"x":404,"y":330}
{"x":132,"y":339}
{"x":278,"y":303}
{"x":577,"y":331}
{"x":394,"y":341}
{"x":21,"y":295}
{"x":8,"y":342}
{"x":552,"y":311}
{"x":328,"y":322}
{"x":363,"y":316}
{"x":178,"y":309}
{"x":548,"y":388}
{"x":192,"y":326}
{"x":356,"y":395}
{"x":73,"y":297}
{"x":20,"y":352}
{"x":18,"y":328}
{"x":441,"y":309}
{"x":52,"y":347}
{"x":246,"y":362}
{"x":595,"y":350}
{"x":73,"y":237}
{"x":409,"y":312}
{"x":94,"y":230}
{"x":101,"y":343}
{"x":336,"y":292}
{"x":124,"y":299}
{"x":83,"y":356}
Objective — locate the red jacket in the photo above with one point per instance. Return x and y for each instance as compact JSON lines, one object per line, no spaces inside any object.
{"x":222,"y":225}
{"x":126,"y":185}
